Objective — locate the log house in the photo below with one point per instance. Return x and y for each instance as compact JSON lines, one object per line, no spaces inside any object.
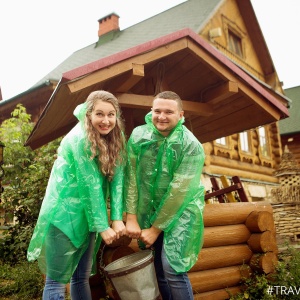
{"x":247,"y":144}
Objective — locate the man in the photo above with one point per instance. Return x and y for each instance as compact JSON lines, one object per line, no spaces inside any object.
{"x":164,"y":195}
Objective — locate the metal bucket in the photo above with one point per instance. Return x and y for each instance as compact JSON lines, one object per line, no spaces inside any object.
{"x":133,"y":276}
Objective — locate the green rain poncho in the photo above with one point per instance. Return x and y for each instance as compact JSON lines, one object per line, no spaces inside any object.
{"x":163,"y":188}
{"x":74,"y":204}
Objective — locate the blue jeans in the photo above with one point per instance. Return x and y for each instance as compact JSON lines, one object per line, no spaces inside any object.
{"x":172,"y":286}
{"x":80,"y":287}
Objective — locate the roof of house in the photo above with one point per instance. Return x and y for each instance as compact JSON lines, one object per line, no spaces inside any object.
{"x":121,"y":61}
{"x":292,"y":124}
{"x":193,"y":13}
{"x":219,"y":97}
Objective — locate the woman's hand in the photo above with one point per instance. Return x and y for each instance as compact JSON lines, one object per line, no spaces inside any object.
{"x":108,"y":236}
{"x":133,"y":228}
{"x":119,"y":228}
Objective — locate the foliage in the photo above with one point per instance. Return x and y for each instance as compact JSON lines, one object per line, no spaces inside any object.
{"x":25,"y":181}
{"x":22,"y":281}
{"x":285,"y":281}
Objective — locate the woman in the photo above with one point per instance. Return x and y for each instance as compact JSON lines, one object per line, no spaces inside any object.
{"x":88,"y":169}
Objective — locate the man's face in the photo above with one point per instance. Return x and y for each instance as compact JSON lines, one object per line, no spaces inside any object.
{"x":165,"y":115}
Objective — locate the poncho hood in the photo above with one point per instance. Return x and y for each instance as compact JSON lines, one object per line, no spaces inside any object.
{"x":80,"y":111}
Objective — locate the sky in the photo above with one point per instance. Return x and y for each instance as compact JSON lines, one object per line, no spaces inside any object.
{"x":37,"y":35}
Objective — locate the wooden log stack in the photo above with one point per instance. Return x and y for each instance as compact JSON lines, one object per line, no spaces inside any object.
{"x":239,"y":239}
{"x":262,"y":242}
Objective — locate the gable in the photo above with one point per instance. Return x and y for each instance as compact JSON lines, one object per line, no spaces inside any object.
{"x":236,"y":19}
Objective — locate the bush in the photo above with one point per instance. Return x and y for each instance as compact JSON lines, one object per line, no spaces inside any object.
{"x":284,"y":282}
{"x":25,"y":181}
{"x":22,"y":281}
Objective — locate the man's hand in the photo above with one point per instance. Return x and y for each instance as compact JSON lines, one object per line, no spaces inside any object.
{"x":133,"y":228}
{"x":149,"y":236}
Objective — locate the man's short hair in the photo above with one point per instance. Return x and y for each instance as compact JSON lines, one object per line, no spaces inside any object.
{"x":169,"y":95}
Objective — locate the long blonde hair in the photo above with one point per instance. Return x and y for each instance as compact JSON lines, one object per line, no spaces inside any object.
{"x":110,"y":148}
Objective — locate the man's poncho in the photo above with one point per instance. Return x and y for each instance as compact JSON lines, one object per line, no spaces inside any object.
{"x":75,"y":202}
{"x":163,"y":188}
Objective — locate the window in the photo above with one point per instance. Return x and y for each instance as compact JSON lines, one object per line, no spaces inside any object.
{"x":244,"y":142}
{"x":223,"y":147}
{"x":221,"y":141}
{"x":263,"y":142}
{"x":235,"y":43}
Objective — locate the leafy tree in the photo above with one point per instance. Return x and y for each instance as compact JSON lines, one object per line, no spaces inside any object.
{"x":25,"y":181}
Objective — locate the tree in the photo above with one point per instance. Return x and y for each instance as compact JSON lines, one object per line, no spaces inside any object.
{"x":25,"y":181}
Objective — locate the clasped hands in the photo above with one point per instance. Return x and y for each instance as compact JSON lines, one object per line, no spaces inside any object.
{"x":132,"y":230}
{"x":147,"y":236}
{"x":114,"y":232}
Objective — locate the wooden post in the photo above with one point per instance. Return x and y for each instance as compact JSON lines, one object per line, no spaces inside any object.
{"x":241,"y":192}
{"x":230,"y":195}
{"x":223,"y":256}
{"x":218,"y":294}
{"x":225,"y":235}
{"x":215,"y":279}
{"x":263,"y":242}
{"x":264,"y":262}
{"x":232,"y":213}
{"x":216,"y":187}
{"x":260,"y":221}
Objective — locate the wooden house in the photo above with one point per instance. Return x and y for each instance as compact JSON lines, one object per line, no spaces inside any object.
{"x":212,"y":53}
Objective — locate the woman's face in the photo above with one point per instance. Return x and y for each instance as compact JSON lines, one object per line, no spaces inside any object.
{"x":103,"y":117}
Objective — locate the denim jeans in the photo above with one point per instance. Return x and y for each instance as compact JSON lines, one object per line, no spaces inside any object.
{"x":80,"y":288}
{"x":172,"y":286}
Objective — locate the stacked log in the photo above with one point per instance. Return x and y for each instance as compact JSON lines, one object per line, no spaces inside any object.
{"x":239,"y":238}
{"x":262,"y":242}
{"x":231,"y":241}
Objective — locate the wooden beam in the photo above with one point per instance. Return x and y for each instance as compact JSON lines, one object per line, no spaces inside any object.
{"x":135,"y":101}
{"x":98,"y":76}
{"x":223,"y":191}
{"x":141,"y":101}
{"x":246,"y":84}
{"x":119,"y":68}
{"x":197,"y":108}
{"x":218,"y":94}
{"x":136,"y":75}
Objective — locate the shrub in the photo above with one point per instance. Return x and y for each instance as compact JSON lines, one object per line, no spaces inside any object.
{"x":285,"y":281}
{"x":25,"y":181}
{"x":22,"y":281}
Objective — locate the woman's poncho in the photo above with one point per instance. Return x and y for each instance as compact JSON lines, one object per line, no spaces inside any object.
{"x":163,"y":188}
{"x":75,"y":203}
